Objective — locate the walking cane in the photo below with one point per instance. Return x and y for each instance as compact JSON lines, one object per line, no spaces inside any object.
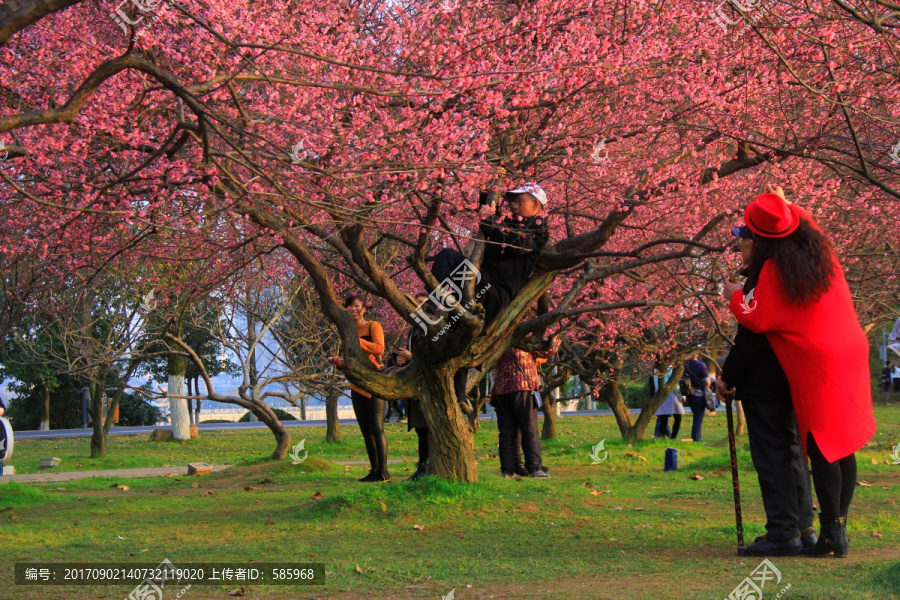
{"x":741,"y":550}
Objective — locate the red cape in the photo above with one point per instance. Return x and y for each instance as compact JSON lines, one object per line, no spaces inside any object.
{"x":825,"y":354}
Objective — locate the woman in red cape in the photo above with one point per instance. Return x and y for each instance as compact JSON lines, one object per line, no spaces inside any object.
{"x":802,"y":303}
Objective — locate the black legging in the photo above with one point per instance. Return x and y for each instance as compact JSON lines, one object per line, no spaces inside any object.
{"x":370,"y":416}
{"x":422,"y":433}
{"x":835,"y":481}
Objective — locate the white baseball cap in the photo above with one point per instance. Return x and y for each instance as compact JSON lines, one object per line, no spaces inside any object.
{"x":534,"y":189}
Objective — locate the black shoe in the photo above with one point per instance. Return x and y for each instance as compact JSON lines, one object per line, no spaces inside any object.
{"x":421,"y":471}
{"x":509,"y":475}
{"x":539,"y":474}
{"x":764,"y":547}
{"x":521,"y":470}
{"x":369,"y":477}
{"x":832,"y":537}
{"x":380,"y":475}
{"x":808,"y":537}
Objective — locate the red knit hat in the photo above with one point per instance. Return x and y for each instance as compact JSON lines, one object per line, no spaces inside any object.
{"x":770,"y":216}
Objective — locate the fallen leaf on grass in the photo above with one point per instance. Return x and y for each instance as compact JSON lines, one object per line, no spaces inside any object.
{"x":209,"y":492}
{"x":698,"y":477}
{"x":588,"y":484}
{"x":642,"y":458}
{"x":240,"y":592}
{"x":875,"y":534}
{"x":266,"y":480}
{"x":528,"y":508}
{"x":631,"y":454}
{"x":874,"y":462}
{"x":194,"y":485}
{"x":77,"y":465}
{"x":862,"y":483}
{"x":123,"y":488}
{"x":596,"y":492}
{"x":270,"y":522}
{"x":360,"y":571}
{"x":13,"y":517}
{"x":639,"y":508}
{"x":3,"y":510}
{"x":317,"y":496}
{"x":383,"y":506}
{"x":419,"y":527}
{"x":119,"y":537}
{"x":250,"y":488}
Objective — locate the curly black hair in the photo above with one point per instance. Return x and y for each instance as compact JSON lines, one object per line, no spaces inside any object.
{"x":804,"y":262}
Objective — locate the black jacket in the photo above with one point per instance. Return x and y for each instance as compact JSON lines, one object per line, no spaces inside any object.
{"x":511,"y":257}
{"x":752,"y":367}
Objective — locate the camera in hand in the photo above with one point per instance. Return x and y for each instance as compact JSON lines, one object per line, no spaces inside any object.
{"x":487,"y":198}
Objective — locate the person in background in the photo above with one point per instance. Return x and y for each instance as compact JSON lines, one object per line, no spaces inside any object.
{"x":515,"y":384}
{"x":513,"y":246}
{"x":752,"y":374}
{"x":696,"y":372}
{"x":368,"y":409}
{"x":415,"y":416}
{"x":802,"y":303}
{"x":673,"y":407}
{"x":886,"y":376}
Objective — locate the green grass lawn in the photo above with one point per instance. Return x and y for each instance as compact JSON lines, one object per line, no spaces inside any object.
{"x":621,"y":529}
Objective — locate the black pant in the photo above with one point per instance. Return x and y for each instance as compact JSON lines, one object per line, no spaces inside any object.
{"x":517,"y":415}
{"x":392,"y":406}
{"x":662,"y":426}
{"x":780,"y":468}
{"x":422,"y":434}
{"x":370,"y":416}
{"x":834,"y":481}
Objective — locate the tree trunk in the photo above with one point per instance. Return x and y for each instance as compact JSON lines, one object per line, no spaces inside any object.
{"x":302,"y":408}
{"x":189,"y":384}
{"x":613,"y":396}
{"x":178,"y":407}
{"x":45,"y":409}
{"x":282,"y":436}
{"x":450,"y":437}
{"x":197,"y":412}
{"x":95,"y":408}
{"x":332,"y":426}
{"x":548,"y":431}
{"x":478,"y":405}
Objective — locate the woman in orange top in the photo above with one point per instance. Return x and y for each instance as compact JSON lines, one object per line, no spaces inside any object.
{"x":368,"y":409}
